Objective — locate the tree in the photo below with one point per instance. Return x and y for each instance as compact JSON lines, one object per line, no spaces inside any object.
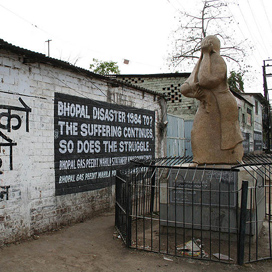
{"x":236,"y":82}
{"x":104,"y":68}
{"x":213,"y":19}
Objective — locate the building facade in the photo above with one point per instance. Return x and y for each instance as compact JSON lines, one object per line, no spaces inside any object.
{"x":246,"y":121}
{"x":257,"y":101}
{"x":64,"y":132}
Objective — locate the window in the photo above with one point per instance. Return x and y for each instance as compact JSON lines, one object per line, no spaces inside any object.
{"x":256,"y":107}
{"x":249,"y":117}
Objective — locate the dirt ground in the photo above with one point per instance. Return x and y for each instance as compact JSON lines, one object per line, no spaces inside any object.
{"x":94,"y":246}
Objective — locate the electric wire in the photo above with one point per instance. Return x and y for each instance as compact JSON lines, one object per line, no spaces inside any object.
{"x":247,"y":26}
{"x":22,"y":18}
{"x":75,"y":45}
{"x":245,"y":39}
{"x":176,"y":8}
{"x":252,"y":38}
{"x":238,"y":25}
{"x":257,"y":25}
{"x":268,"y":20}
{"x":35,"y":26}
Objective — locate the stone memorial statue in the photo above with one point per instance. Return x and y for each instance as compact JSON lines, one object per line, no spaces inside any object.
{"x":216,"y":136}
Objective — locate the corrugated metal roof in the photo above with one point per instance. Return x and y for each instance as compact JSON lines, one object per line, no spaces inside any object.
{"x":257,"y":95}
{"x":30,"y":56}
{"x":162,"y":75}
{"x":241,"y":97}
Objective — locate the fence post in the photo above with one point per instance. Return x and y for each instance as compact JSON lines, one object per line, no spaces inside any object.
{"x":128,"y":213}
{"x":117,"y":200}
{"x":153,"y":180}
{"x":242,"y":229}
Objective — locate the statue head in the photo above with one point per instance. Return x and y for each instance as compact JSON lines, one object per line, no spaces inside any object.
{"x":214,"y":40}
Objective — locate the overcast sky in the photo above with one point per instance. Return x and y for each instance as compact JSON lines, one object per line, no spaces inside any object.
{"x":123,"y":29}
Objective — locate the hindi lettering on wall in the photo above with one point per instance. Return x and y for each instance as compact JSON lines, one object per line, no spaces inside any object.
{"x":93,"y":139}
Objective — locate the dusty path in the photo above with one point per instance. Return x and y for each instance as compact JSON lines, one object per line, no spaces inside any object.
{"x":91,"y":246}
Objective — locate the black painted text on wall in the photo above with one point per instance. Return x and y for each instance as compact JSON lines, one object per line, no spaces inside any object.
{"x":93,"y":139}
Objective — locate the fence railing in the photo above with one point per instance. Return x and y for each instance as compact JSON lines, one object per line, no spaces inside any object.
{"x":209,"y":213}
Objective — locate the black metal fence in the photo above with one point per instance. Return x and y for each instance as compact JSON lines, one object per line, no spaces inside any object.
{"x":209,"y":213}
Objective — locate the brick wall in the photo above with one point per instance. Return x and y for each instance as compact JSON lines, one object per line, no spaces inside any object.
{"x":169,"y":85}
{"x":29,"y":169}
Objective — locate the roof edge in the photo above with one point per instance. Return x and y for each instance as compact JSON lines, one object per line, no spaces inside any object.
{"x":185,"y":74}
{"x":31,"y":56}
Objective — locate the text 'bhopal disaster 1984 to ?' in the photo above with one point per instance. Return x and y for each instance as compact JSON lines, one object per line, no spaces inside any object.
{"x":99,"y":139}
{"x":128,"y":133}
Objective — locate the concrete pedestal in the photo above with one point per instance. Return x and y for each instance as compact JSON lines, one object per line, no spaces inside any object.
{"x":209,"y":200}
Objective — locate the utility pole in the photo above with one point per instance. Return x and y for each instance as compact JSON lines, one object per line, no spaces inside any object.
{"x":267,"y":64}
{"x":48,"y":41}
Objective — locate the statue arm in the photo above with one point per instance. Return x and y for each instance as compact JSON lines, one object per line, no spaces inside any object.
{"x":186,"y":89}
{"x":190,"y":88}
{"x":212,"y":71}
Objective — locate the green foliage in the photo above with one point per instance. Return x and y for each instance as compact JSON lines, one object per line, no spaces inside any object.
{"x":104,"y":67}
{"x":236,"y":82}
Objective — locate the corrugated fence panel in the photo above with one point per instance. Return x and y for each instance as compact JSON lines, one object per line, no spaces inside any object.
{"x":187,"y":133}
{"x":175,"y":136}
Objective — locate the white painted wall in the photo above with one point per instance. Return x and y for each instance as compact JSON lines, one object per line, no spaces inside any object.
{"x":32,"y":206}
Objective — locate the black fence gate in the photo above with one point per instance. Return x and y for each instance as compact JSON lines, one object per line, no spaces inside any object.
{"x":209,"y":213}
{"x":123,"y":207}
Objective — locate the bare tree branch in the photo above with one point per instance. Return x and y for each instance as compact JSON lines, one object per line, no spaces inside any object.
{"x":212,"y":19}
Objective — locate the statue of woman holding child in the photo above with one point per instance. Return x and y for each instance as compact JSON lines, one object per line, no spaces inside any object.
{"x":216,"y":136}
